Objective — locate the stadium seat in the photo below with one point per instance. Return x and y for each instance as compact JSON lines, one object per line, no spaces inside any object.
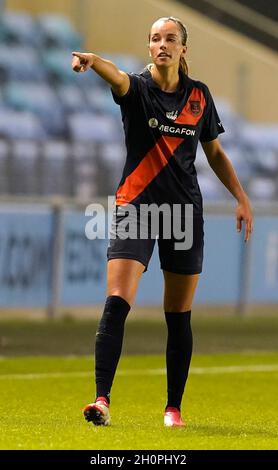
{"x":260,"y":135}
{"x":57,"y":31}
{"x":20,"y":63}
{"x":100,"y":100}
{"x":93,"y":127}
{"x":113,"y":157}
{"x":211,"y":189}
{"x":111,"y":163}
{"x":237,"y":155}
{"x":264,"y":189}
{"x":57,"y":63}
{"x":269,"y":162}
{"x":40,"y":99}
{"x":86,"y":170}
{"x":56,"y":168}
{"x":72,"y":98}
{"x":4,"y":148}
{"x":4,"y":166}
{"x":19,"y":28}
{"x":201,"y":163}
{"x":25,"y":166}
{"x":230,"y":120}
{"x":125,"y":62}
{"x":20,"y":125}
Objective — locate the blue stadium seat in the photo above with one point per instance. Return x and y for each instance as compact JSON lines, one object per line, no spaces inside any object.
{"x":41,"y":98}
{"x":57,"y":63}
{"x":20,"y":63}
{"x":237,"y":155}
{"x":57,"y":31}
{"x":269,"y":162}
{"x":125,"y":62}
{"x":201,"y":163}
{"x":100,"y":100}
{"x":72,"y":98}
{"x":230,"y":119}
{"x":19,"y":28}
{"x":261,"y":188}
{"x":211,"y":189}
{"x":37,"y":98}
{"x":21,"y":125}
{"x":260,"y":135}
{"x":93,"y":127}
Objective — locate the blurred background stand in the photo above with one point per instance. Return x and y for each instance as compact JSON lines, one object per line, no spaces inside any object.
{"x":62,"y":145}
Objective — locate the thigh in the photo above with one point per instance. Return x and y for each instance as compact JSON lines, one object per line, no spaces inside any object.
{"x":179,"y":290}
{"x":126,"y":247}
{"x":183,"y":261}
{"x":123,"y":276}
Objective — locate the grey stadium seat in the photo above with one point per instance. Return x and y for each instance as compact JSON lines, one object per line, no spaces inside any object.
{"x":25,"y":164}
{"x":56,"y":169}
{"x":93,"y":127}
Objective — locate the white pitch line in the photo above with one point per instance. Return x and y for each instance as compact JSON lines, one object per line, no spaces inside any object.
{"x":141,"y":372}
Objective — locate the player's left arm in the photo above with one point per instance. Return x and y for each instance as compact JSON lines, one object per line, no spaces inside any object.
{"x":224,"y":170}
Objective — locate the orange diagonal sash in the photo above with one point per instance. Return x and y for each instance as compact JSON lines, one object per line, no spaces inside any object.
{"x":157,"y":158}
{"x":189,"y":116}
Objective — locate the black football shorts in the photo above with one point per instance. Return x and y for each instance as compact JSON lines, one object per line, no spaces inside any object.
{"x":180,"y":261}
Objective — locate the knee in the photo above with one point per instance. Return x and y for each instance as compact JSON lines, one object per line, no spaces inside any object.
{"x":175,"y":306}
{"x":114,"y":315}
{"x":121,"y":292}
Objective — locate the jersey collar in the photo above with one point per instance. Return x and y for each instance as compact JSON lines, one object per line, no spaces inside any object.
{"x":183,"y":83}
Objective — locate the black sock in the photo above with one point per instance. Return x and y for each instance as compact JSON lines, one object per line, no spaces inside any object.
{"x":178,"y":355}
{"x":109,"y":340}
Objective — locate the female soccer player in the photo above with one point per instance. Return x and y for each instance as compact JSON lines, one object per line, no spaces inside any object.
{"x":165,"y":113}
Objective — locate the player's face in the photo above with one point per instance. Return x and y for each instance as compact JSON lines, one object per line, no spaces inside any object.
{"x":165,"y":45}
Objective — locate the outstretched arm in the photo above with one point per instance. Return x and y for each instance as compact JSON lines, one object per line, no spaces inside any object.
{"x":224,"y":170}
{"x":119,"y":80}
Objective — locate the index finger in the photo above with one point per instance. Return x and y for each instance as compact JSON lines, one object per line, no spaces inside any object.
{"x":78,"y":54}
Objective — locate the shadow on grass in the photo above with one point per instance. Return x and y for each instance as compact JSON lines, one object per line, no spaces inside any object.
{"x":231,"y":431}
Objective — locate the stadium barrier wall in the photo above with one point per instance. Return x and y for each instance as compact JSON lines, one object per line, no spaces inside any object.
{"x":47,"y":261}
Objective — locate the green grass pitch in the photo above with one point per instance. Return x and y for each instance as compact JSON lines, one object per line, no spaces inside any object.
{"x":230,"y":403}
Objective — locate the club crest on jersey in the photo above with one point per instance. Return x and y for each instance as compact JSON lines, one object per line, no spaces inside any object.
{"x":153,"y":122}
{"x":172,"y":115}
{"x":195,"y":108}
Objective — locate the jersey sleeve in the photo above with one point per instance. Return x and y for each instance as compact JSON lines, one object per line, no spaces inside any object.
{"x":212,"y":125}
{"x":120,"y":100}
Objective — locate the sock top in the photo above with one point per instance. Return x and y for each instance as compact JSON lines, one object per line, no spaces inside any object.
{"x":103,"y":399}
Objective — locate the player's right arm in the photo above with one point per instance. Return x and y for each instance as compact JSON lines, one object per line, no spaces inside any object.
{"x":119,"y":80}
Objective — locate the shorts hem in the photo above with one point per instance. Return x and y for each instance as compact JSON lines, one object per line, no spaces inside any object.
{"x":123,"y":256}
{"x":182,"y":271}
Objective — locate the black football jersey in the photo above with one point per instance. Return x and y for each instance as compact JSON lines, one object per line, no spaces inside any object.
{"x":162,"y":131}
